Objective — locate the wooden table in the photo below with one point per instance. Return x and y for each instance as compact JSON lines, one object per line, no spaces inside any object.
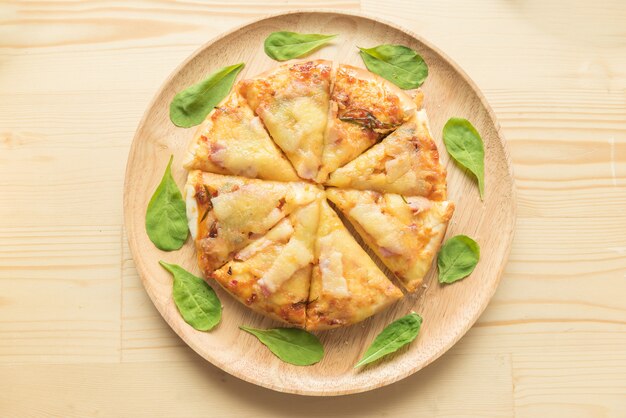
{"x":80,"y":338}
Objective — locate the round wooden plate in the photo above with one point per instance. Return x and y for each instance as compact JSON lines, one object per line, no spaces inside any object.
{"x":448,"y":311}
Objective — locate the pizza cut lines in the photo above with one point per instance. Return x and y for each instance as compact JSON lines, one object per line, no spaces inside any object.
{"x":258,"y":214}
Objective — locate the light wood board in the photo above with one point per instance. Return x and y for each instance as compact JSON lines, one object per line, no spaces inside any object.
{"x":448,"y":311}
{"x":79,"y":336}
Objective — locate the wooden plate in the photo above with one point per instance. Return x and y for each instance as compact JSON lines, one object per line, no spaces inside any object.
{"x":448,"y":311}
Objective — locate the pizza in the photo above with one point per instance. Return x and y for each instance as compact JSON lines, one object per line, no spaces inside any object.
{"x":272,"y":274}
{"x":292,"y":101}
{"x":225,"y":213}
{"x":364,"y":108}
{"x":346,"y":286}
{"x":258,"y":212}
{"x":232,"y":140}
{"x":405,"y":162}
{"x":405,"y":232}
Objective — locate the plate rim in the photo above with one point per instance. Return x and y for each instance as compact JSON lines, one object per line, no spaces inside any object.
{"x":137,"y":259}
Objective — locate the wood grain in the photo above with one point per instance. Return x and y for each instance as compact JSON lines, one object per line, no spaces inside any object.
{"x":448,"y":311}
{"x":68,"y":111}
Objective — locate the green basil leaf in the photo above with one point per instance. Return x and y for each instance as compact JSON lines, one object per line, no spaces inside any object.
{"x":282,"y":46}
{"x":395,"y":335}
{"x":398,"y":64}
{"x":465,"y":145}
{"x":457,"y":258}
{"x":195,"y":299}
{"x":190,"y":106}
{"x":166,"y":220}
{"x":291,"y":345}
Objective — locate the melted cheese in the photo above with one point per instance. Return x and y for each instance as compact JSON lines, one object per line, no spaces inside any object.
{"x":248,"y":208}
{"x":383,"y":228}
{"x":294,"y":256}
{"x":297,"y":125}
{"x":399,"y":207}
{"x":280,"y":233}
{"x":331,"y":267}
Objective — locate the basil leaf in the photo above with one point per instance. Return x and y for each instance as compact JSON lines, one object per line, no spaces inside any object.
{"x":283,"y":46}
{"x":190,"y":106}
{"x":166,"y":220}
{"x":195,"y":299}
{"x":457,"y":258}
{"x":464,"y":144}
{"x":397,"y":63}
{"x":291,"y":345}
{"x":395,"y":335}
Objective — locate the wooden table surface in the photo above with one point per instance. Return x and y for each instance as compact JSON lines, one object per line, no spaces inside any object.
{"x":80,"y":338}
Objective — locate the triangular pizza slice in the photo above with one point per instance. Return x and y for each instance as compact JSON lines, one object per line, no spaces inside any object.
{"x":405,"y":232}
{"x":346,"y":285}
{"x":364,"y":108}
{"x":292,"y":101}
{"x":233,"y":141}
{"x":405,"y":162}
{"x":226,"y":213}
{"x":272,"y":275}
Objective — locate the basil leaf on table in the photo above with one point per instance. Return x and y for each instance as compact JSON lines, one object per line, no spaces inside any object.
{"x":166,"y":220}
{"x":195,"y":299}
{"x":397,"y":63}
{"x":282,"y":46}
{"x":395,"y":335}
{"x":291,"y":345}
{"x":457,"y":258}
{"x":465,"y":145}
{"x":190,"y":106}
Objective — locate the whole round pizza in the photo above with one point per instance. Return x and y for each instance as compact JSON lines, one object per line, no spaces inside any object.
{"x":263,"y":167}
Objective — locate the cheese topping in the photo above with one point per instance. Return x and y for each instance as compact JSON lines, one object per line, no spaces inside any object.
{"x":383,"y":228}
{"x":331,"y":267}
{"x":280,"y":233}
{"x":247,"y":208}
{"x":294,"y":256}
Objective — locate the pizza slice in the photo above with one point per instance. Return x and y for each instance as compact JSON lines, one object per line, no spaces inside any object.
{"x":406,"y":162}
{"x":405,"y":233}
{"x":233,"y":141}
{"x":346,"y":285}
{"x":292,"y":101}
{"x":272,"y":275}
{"x":364,"y":108}
{"x":226,"y":213}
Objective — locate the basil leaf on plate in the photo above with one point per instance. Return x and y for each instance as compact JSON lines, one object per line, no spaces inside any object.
{"x":190,"y":106}
{"x":397,"y":63}
{"x":395,"y":336}
{"x":291,"y":345}
{"x":457,"y":258}
{"x":195,"y":299}
{"x":465,"y":145}
{"x":282,"y":46}
{"x":166,"y":220}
